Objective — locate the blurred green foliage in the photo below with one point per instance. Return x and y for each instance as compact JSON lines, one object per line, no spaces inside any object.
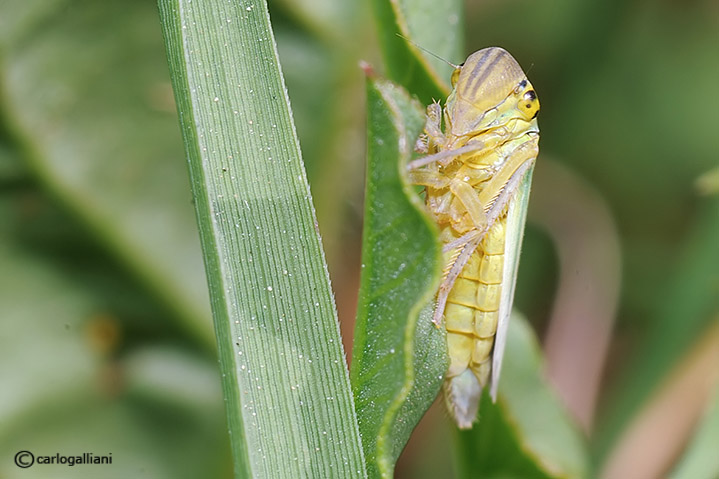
{"x":93,"y":188}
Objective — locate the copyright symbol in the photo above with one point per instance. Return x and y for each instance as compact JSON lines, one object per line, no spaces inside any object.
{"x":24,"y":459}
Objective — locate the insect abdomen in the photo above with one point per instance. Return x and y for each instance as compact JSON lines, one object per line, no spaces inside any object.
{"x":472,"y":312}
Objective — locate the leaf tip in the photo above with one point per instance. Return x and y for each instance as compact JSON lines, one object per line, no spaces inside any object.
{"x":368,"y":69}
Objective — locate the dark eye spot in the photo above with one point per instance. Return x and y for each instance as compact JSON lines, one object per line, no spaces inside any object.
{"x":530,"y":95}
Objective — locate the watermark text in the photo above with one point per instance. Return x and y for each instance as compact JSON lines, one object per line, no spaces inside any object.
{"x":25,"y":459}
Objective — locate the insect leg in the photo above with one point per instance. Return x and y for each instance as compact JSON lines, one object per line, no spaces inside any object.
{"x":503,"y":184}
{"x":422,"y":144}
{"x":462,"y":240}
{"x":475,"y":237}
{"x":443,"y":155}
{"x":468,"y":197}
{"x":429,"y":178}
{"x":451,"y":277}
{"x":432,"y":130}
{"x":433,"y":124}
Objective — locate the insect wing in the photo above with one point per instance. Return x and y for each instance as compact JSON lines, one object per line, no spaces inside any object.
{"x":514,"y":230}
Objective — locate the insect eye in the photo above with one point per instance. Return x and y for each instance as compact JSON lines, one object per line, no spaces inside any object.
{"x":529,"y":105}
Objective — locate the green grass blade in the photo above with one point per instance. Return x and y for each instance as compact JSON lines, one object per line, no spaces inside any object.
{"x":285,"y":381}
{"x":527,"y":433}
{"x":436,"y":26}
{"x":399,"y":356}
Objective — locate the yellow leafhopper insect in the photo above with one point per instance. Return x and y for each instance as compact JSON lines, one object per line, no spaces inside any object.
{"x":477,"y":174}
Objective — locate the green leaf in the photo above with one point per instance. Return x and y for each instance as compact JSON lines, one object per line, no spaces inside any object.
{"x":399,"y":356}
{"x":285,"y":382}
{"x":701,"y":460}
{"x":527,"y":433}
{"x":435,"y":26}
{"x":92,"y":114}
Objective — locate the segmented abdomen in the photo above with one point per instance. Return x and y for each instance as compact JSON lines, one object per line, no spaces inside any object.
{"x":472,"y":310}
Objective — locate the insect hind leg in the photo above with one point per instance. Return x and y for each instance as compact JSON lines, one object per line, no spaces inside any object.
{"x":459,"y":263}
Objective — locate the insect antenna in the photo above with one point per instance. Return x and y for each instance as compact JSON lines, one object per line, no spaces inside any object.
{"x":427,"y":51}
